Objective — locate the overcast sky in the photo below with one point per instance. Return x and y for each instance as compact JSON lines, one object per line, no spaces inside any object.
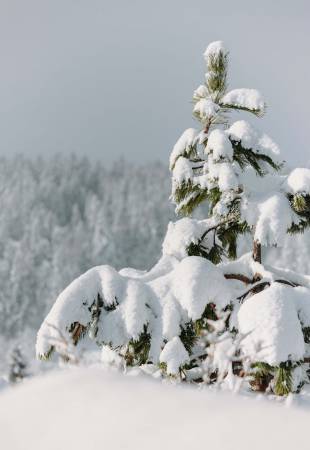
{"x":110,"y":78}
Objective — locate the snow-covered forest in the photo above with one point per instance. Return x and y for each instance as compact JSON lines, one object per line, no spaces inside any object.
{"x":62,"y":216}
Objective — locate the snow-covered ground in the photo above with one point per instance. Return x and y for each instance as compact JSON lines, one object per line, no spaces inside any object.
{"x":97,"y":409}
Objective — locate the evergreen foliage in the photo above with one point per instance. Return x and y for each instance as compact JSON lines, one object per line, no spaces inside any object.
{"x":211,"y":167}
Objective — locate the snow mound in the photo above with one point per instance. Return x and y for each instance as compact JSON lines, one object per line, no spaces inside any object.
{"x":80,"y":409}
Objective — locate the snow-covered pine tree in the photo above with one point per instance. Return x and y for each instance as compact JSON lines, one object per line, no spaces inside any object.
{"x":201,"y":314}
{"x":219,"y":164}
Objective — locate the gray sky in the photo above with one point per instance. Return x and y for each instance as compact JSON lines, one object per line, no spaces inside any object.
{"x":111,"y":78}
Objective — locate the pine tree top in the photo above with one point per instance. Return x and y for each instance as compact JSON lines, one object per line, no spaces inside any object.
{"x":220,"y":167}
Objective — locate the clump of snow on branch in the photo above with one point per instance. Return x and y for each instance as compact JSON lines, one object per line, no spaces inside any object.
{"x":174,"y":355}
{"x":183,"y":145}
{"x":182,"y":233}
{"x":182,"y":170}
{"x":270,"y":322}
{"x":245,"y":98}
{"x":250,"y":138}
{"x":205,"y":109}
{"x":298,"y":181}
{"x":224,"y":174}
{"x":219,"y":145}
{"x":270,"y":215}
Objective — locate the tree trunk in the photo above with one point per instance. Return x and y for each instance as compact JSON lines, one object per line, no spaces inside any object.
{"x":257,"y":251}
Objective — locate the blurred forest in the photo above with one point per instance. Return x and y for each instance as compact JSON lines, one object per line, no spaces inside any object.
{"x":63,"y":216}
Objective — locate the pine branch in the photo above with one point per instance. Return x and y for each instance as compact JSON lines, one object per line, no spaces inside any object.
{"x":246,"y":156}
{"x":256,"y":112}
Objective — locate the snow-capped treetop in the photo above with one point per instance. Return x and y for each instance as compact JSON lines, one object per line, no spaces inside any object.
{"x":225,"y":164}
{"x":214,"y":48}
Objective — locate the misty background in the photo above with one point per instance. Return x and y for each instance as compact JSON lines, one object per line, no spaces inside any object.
{"x":108,"y":78}
{"x":93,"y":96}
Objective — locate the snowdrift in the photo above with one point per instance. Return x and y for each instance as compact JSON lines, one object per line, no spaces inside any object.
{"x":93,"y":409}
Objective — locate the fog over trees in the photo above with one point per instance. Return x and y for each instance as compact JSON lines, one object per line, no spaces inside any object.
{"x":63,"y":216}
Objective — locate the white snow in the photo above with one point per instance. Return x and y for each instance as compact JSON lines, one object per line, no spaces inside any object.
{"x":250,"y":138}
{"x":93,"y":409}
{"x":200,"y":92}
{"x":224,"y":174}
{"x":206,"y":109}
{"x":245,"y":98}
{"x":183,"y":145}
{"x":197,"y":282}
{"x":214,"y":48}
{"x":74,"y":302}
{"x":183,"y":288}
{"x":181,"y":233}
{"x":301,"y":297}
{"x":174,"y":355}
{"x":219,"y":145}
{"x":298,"y":181}
{"x":182,"y":170}
{"x":271,"y":326}
{"x":270,"y":215}
{"x":171,"y":317}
